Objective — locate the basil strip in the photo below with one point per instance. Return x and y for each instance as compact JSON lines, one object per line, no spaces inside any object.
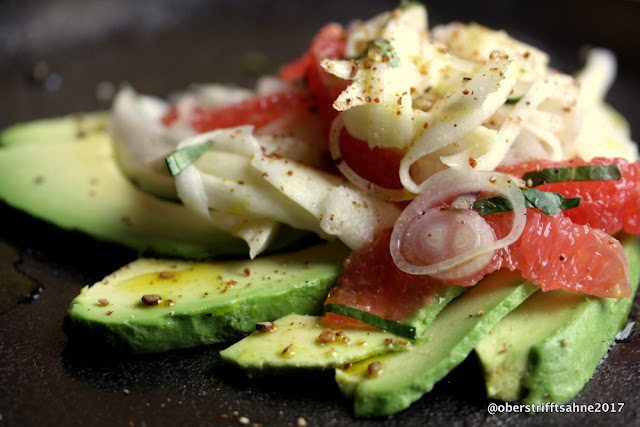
{"x":548,"y":202}
{"x":513,"y":101}
{"x":385,"y":48}
{"x":400,"y":329}
{"x":493,"y":205}
{"x":576,"y":173}
{"x":183,"y":157}
{"x":407,"y":4}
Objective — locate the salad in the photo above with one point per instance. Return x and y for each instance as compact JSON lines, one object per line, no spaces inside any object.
{"x":383,"y":113}
{"x":440,"y":157}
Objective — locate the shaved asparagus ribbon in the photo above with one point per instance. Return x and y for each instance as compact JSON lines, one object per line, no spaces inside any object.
{"x":481,"y":96}
{"x":447,"y":185}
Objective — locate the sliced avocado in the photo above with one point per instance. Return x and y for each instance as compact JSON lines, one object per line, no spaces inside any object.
{"x":386,"y":384}
{"x":549,"y":347}
{"x":69,"y":177}
{"x":55,"y":129}
{"x":306,"y":342}
{"x":192,"y":303}
{"x":262,"y":353}
{"x":425,"y":316}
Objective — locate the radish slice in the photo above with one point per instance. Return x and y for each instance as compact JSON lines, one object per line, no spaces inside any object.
{"x":438,"y":235}
{"x":453,"y":243}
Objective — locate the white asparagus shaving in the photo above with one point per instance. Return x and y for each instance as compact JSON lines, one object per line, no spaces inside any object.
{"x":338,"y":209}
{"x":597,"y":76}
{"x":604,"y":131}
{"x":259,"y":233}
{"x":141,"y":142}
{"x":223,"y":185}
{"x":460,"y":112}
{"x":515,"y":121}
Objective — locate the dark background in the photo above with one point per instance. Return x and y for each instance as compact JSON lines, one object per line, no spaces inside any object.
{"x":60,"y":57}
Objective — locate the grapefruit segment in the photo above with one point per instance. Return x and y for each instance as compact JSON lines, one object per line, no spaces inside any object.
{"x":609,"y":205}
{"x":552,"y":252}
{"x":378,"y":165}
{"x":329,"y":43}
{"x":556,"y":253}
{"x":258,"y":112}
{"x":371,"y":282}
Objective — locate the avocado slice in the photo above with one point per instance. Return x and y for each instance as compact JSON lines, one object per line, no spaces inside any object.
{"x":425,"y":315}
{"x":188,"y":303}
{"x":55,"y":129}
{"x":262,"y":353}
{"x":63,"y":171}
{"x":386,"y":384}
{"x":306,"y":342}
{"x":549,"y":347}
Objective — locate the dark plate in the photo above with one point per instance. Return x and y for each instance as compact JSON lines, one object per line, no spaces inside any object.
{"x":61,"y":57}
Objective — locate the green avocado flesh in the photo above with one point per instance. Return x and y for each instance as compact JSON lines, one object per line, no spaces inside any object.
{"x":52,"y":130}
{"x":262,"y":353}
{"x":201,"y":302}
{"x":63,"y":171}
{"x":306,"y":342}
{"x":402,"y":378}
{"x":548,"y":348}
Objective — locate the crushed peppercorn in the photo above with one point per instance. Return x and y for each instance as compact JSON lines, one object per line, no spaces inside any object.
{"x":265,"y":326}
{"x":326,"y":336}
{"x":151,"y":299}
{"x":374,"y":369}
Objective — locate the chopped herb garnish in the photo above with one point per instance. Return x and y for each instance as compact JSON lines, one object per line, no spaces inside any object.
{"x":513,"y":101}
{"x":397,"y":328}
{"x":576,"y":173}
{"x":407,"y":4}
{"x":548,"y":202}
{"x":183,"y":157}
{"x":385,"y":48}
{"x":492,"y":205}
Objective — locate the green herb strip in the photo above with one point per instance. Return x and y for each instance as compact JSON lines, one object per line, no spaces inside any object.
{"x":407,"y":4}
{"x":513,"y":101}
{"x":576,"y":173}
{"x":183,"y":157}
{"x":373,"y":320}
{"x":548,"y":202}
{"x":385,"y":48}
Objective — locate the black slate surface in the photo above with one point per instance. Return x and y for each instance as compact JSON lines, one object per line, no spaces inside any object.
{"x":54,"y":58}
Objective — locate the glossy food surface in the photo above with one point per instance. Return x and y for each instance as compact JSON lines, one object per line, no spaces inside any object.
{"x":63,"y":57}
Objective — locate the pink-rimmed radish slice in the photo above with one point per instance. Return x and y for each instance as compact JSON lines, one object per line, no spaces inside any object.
{"x":439,"y":234}
{"x":447,"y":243}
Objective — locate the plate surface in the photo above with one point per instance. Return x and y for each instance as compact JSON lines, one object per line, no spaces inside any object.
{"x":67,"y":56}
